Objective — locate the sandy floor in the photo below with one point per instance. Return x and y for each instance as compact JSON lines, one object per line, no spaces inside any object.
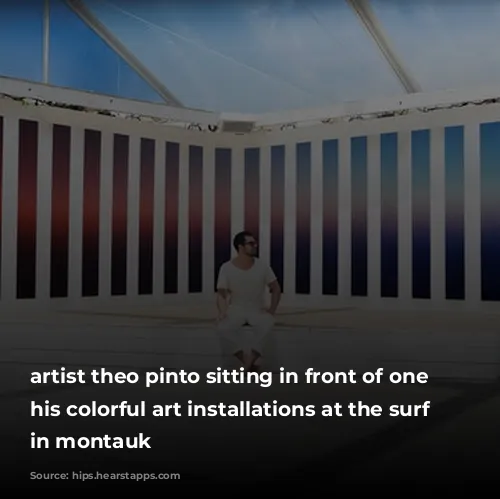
{"x":339,"y":318}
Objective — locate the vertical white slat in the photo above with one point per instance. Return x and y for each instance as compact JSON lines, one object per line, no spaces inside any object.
{"x":105,"y":214}
{"x":438,"y":217}
{"x":159,"y":219}
{"x":133,"y":207}
{"x":316,"y":219}
{"x":374,"y":216}
{"x":183,"y":229}
{"x":472,"y":173}
{"x":405,"y":224}
{"x":344,"y":218}
{"x":44,"y":211}
{"x":9,"y":208}
{"x":237,"y":190}
{"x":265,"y":204}
{"x":208,"y":220}
{"x":76,"y":213}
{"x":290,"y":222}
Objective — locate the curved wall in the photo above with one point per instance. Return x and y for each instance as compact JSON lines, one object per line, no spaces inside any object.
{"x":400,"y":211}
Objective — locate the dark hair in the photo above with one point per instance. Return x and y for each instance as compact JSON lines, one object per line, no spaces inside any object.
{"x":241,"y":238}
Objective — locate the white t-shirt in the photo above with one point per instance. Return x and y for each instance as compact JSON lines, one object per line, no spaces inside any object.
{"x":247,"y":287}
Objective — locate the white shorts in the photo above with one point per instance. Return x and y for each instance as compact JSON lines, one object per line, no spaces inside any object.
{"x":234,"y":337}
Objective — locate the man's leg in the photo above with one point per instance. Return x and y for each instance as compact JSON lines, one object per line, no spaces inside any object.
{"x":263,"y":339}
{"x":231,"y":336}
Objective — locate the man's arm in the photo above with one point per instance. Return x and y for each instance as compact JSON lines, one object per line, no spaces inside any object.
{"x":275,"y":289}
{"x":222,"y":302}
{"x":223,"y":293}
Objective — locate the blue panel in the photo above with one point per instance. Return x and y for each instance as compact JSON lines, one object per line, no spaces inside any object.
{"x":389,"y":215}
{"x":454,"y":231}
{"x":80,"y":59}
{"x":359,"y":214}
{"x":303,"y":219}
{"x":421,"y":248}
{"x":21,"y":39}
{"x":330,"y":216}
{"x":490,"y":211}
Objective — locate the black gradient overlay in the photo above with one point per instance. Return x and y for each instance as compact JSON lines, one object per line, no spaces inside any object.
{"x":455,"y":443}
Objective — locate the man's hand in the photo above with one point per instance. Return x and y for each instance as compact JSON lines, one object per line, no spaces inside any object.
{"x":220,"y":317}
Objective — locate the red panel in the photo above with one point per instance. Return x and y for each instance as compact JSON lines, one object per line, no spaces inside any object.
{"x":146,"y":215}
{"x":27,"y":208}
{"x":91,"y":203}
{"x":59,"y":256}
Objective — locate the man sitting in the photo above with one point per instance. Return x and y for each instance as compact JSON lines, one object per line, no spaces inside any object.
{"x":240,"y":301}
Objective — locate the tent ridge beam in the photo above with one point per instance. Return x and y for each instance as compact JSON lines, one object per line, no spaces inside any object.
{"x":370,"y":22}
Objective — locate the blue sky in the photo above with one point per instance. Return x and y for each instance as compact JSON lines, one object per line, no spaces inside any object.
{"x":256,"y":56}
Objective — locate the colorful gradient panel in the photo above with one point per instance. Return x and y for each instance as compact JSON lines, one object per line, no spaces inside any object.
{"x":91,"y":204}
{"x":146,"y":216}
{"x":330,"y":216}
{"x":172,"y":158}
{"x":277,"y":242}
{"x":490,"y":211}
{"x":421,"y":235}
{"x":303,"y":220}
{"x":252,"y":192}
{"x":59,"y":249}
{"x":454,"y":157}
{"x":195,"y":258}
{"x":359,"y":214}
{"x":27,"y":209}
{"x":455,"y":210}
{"x":222,"y":251}
{"x":389,"y":215}
{"x":120,"y":219}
